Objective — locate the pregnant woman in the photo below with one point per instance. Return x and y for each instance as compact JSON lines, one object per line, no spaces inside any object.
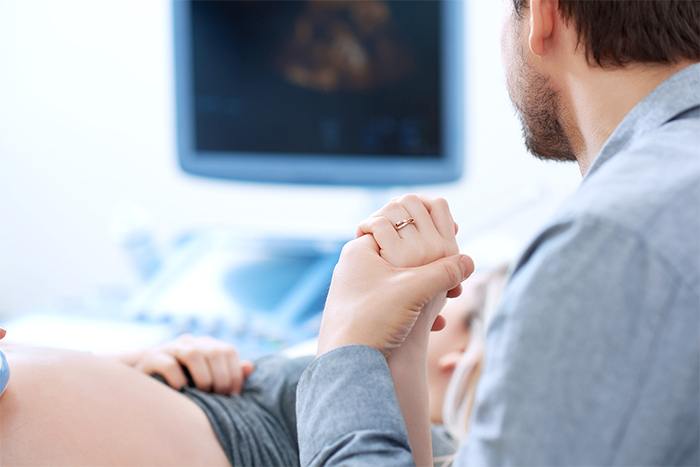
{"x":68,"y":408}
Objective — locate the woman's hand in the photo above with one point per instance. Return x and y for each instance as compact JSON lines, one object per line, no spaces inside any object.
{"x":372,"y":302}
{"x":430,"y":238}
{"x":214,"y":365}
{"x":411,"y":247}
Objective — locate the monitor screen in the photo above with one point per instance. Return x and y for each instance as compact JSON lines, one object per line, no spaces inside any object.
{"x":317,"y":91}
{"x":360,"y":78}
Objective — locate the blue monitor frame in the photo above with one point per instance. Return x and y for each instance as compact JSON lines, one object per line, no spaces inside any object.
{"x":317,"y":169}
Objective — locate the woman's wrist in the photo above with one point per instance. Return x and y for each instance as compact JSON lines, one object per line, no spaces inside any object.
{"x":408,"y":365}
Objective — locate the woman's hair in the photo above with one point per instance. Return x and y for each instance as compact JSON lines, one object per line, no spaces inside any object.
{"x":461,"y":390}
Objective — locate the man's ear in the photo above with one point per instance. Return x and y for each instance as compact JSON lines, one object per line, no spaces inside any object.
{"x":448,"y":362}
{"x":543,"y":14}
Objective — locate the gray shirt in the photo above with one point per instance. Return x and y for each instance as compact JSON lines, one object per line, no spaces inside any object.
{"x":594,"y":356}
{"x":257,"y":428}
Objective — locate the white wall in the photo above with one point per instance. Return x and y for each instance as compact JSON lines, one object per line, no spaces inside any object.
{"x":86,"y":131}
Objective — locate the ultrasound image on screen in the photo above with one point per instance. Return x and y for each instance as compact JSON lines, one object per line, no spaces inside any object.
{"x":349,"y":77}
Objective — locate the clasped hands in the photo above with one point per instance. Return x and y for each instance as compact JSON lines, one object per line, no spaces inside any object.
{"x":389,"y":283}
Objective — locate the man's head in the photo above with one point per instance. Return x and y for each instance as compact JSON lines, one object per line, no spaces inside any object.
{"x":549,"y":44}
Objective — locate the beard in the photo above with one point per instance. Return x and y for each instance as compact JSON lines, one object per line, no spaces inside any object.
{"x":538,"y":107}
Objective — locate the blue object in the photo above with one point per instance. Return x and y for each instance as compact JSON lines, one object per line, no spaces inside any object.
{"x":261,"y":294}
{"x":140,"y":247}
{"x":268,"y":93}
{"x":4,"y":372}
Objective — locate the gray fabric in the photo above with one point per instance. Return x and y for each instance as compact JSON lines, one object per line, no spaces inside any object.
{"x":258,"y":427}
{"x":347,"y":411}
{"x":594,"y":356}
{"x":444,"y":446}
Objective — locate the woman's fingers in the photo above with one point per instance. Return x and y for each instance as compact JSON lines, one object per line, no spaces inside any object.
{"x":235,"y":370}
{"x":441,"y":216}
{"x":165,"y":365}
{"x":456,"y":292}
{"x":213,"y":365}
{"x":415,"y":206}
{"x":383,"y":231}
{"x":195,"y":362}
{"x":431,"y":233}
{"x":396,"y":212}
{"x":222,"y":378}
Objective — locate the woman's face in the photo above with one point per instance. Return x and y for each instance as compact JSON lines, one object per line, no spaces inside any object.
{"x":446,"y":347}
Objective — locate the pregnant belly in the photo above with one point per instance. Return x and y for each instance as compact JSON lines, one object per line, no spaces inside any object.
{"x":69,"y":408}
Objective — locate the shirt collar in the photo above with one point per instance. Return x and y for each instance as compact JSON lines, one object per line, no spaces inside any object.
{"x":674,"y":96}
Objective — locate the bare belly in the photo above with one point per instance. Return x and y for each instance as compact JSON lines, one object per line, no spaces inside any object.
{"x":75,"y":409}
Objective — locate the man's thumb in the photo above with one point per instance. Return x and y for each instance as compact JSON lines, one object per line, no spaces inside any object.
{"x":443,"y":275}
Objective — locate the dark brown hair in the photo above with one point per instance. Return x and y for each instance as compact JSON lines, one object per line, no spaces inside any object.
{"x":618,"y":32}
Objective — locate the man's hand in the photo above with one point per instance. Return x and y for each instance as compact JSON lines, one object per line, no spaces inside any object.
{"x":373,"y":303}
{"x":213,"y":365}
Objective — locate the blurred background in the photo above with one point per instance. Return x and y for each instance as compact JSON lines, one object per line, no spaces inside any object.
{"x":94,"y":205}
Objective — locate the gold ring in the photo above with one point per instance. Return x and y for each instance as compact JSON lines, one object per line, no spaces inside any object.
{"x":400,"y":225}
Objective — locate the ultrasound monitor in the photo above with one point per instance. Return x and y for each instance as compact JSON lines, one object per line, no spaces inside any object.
{"x":351,"y":92}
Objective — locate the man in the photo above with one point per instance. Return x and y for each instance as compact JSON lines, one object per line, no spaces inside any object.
{"x":594,"y":356}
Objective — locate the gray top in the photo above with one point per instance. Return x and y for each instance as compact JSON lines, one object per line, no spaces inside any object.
{"x":257,"y":428}
{"x":594,"y":355}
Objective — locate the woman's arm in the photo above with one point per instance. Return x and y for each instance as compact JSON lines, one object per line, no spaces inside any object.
{"x":408,"y":365}
{"x":433,"y":239}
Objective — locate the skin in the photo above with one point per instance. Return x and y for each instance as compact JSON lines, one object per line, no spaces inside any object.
{"x":76,"y":409}
{"x":213,"y":365}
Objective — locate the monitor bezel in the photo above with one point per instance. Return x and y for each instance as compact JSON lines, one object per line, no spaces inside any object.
{"x":317,"y":169}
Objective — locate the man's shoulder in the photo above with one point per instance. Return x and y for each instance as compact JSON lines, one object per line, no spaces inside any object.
{"x":657,"y":172}
{"x":650,"y":191}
